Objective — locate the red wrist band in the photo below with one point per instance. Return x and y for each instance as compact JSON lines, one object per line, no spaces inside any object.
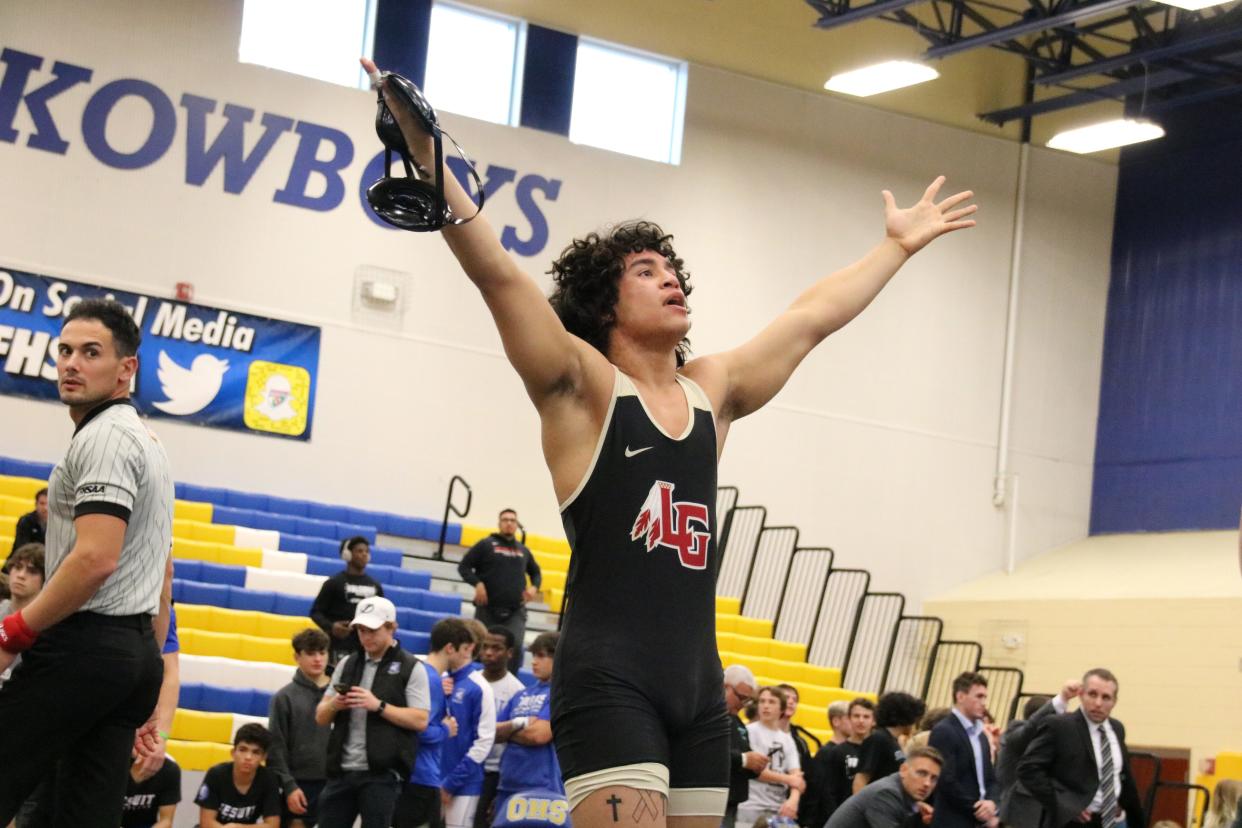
{"x":15,"y":634}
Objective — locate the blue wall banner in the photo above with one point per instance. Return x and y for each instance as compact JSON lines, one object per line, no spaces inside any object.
{"x":197,"y":364}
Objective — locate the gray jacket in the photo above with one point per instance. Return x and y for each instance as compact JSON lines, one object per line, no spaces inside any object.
{"x":882,"y":804}
{"x":299,"y":751}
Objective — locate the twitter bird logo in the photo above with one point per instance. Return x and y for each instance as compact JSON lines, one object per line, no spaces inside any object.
{"x":190,"y":390}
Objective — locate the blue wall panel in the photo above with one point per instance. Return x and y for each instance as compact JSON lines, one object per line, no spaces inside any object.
{"x":1169,"y":443}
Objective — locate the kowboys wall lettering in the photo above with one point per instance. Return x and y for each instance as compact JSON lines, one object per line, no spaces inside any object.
{"x":322,"y":155}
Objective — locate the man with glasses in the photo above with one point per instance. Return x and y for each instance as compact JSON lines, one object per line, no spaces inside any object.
{"x":744,"y":763}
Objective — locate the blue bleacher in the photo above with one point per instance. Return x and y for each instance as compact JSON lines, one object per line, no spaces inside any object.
{"x":348,"y":521}
{"x":211,"y":698}
{"x":414,"y":642}
{"x":25,"y":468}
{"x":432,"y":606}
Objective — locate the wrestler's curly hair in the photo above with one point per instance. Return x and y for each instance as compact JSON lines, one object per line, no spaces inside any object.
{"x":586,"y":274}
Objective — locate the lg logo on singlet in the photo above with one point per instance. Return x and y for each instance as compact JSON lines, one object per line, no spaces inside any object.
{"x":673,"y":525}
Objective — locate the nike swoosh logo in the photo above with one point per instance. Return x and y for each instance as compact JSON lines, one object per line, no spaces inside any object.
{"x":631,"y":452}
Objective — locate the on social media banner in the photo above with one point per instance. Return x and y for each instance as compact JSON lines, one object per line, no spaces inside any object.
{"x":197,"y":364}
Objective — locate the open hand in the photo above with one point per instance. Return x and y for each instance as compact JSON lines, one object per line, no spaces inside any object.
{"x":913,"y":227}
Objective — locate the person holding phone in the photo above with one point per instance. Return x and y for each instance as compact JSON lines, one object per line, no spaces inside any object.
{"x":378,"y":702}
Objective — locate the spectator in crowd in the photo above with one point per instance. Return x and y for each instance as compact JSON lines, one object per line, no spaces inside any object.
{"x":241,"y":792}
{"x":932,"y":718}
{"x":778,"y":788}
{"x":826,"y":771}
{"x":529,"y":763}
{"x":378,"y":701}
{"x":108,"y":589}
{"x":803,"y":738}
{"x":881,"y":754}
{"x":161,"y":720}
{"x":497,"y":651}
{"x":1223,"y":812}
{"x":451,"y":648}
{"x":25,"y":582}
{"x":1014,"y":743}
{"x":744,"y":764}
{"x":862,"y":722}
{"x":299,"y":751}
{"x":479,"y":630}
{"x":151,"y":797}
{"x":898,"y":800}
{"x":471,"y":705}
{"x":991,"y":730}
{"x":805,"y":742}
{"x":497,"y":568}
{"x":966,"y":794}
{"x":338,"y":599}
{"x":1078,"y":767}
{"x":31,"y":527}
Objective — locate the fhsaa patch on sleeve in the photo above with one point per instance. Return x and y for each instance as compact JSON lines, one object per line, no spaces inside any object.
{"x":92,"y":489}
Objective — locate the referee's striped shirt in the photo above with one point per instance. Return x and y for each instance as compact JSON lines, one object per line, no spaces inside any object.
{"x":115,"y":466}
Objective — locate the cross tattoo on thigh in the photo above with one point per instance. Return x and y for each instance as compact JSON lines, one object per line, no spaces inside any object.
{"x":613,"y":801}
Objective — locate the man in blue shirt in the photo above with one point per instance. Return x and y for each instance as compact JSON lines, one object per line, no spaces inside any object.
{"x":530,"y":760}
{"x":451,"y":647}
{"x":473,"y":707}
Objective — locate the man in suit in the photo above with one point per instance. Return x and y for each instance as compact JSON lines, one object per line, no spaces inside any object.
{"x":1077,"y":766}
{"x":966,"y":795}
{"x":1026,"y":811}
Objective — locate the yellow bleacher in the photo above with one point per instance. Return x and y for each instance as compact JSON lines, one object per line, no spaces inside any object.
{"x":199,"y":756}
{"x":191,"y":510}
{"x":221,"y":553}
{"x":1228,"y":766}
{"x":234,"y":645}
{"x":22,"y":488}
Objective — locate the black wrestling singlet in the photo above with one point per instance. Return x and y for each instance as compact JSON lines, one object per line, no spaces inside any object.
{"x":639,"y":623}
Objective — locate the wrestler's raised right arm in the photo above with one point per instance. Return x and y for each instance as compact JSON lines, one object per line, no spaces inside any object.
{"x":548,"y":358}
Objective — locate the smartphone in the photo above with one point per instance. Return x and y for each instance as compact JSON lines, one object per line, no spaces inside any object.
{"x":341,"y":689}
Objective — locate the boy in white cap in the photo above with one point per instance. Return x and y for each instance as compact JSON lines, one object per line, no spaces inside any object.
{"x":377,"y":704}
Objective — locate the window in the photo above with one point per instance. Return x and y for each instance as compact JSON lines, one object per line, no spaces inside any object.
{"x":474,"y":62}
{"x":607,"y":80}
{"x":317,"y":38}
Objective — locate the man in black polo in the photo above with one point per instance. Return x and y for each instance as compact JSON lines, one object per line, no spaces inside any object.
{"x":377,"y":704}
{"x":109,"y":588}
{"x":497,"y":567}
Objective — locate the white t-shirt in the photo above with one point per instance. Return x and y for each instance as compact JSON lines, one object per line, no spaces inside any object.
{"x":782,"y":755}
{"x":503,"y":689}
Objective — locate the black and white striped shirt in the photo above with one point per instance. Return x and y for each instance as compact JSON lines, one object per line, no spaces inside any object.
{"x":115,"y":466}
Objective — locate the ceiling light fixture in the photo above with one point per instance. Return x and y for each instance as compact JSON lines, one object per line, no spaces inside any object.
{"x":1194,"y":5}
{"x":882,"y":77}
{"x":1106,"y":135}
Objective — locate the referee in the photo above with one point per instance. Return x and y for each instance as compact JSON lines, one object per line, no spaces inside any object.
{"x":90,"y":671}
